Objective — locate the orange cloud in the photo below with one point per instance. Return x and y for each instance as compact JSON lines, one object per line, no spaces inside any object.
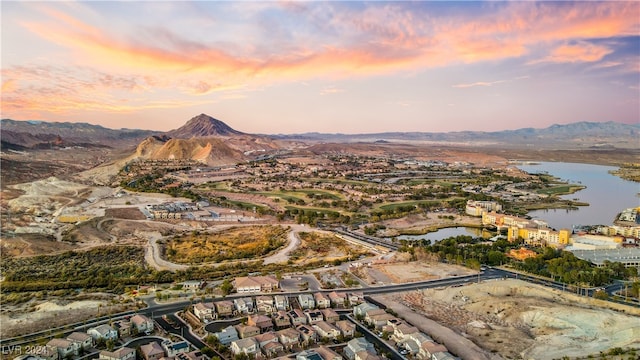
{"x":582,"y":52}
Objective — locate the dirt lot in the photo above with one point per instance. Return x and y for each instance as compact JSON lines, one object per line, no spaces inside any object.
{"x":132,"y":213}
{"x":39,"y":315}
{"x":516,"y":319}
{"x":31,"y":244}
{"x":424,"y":223}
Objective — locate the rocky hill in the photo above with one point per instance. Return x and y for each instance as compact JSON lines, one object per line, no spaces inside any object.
{"x":211,"y":151}
{"x":203,"y":126}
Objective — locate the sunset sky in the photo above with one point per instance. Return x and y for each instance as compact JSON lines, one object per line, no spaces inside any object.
{"x":349,"y":67}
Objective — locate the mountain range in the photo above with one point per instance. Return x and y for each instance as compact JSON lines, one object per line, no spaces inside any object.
{"x":204,"y":134}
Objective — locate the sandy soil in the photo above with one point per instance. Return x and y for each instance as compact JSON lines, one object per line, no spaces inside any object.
{"x":516,"y":319}
{"x":423,"y":223}
{"x":39,"y":315}
{"x":400,"y":273}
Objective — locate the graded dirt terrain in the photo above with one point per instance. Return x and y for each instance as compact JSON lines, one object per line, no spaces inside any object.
{"x":516,"y":319}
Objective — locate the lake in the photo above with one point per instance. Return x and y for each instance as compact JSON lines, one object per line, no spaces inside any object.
{"x":606,"y":194}
{"x":444,"y":234}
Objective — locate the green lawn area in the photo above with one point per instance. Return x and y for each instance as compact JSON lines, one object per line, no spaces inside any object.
{"x":319,"y":210}
{"x":322,"y":193}
{"x":561,"y":189}
{"x":339,"y":181}
{"x":286,"y":196}
{"x":396,"y":205}
{"x":247,"y":205}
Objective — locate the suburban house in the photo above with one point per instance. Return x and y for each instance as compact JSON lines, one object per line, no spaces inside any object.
{"x":289,"y":337}
{"x":64,"y":347}
{"x":172,"y":349}
{"x":224,"y":308}
{"x":243,"y":305}
{"x":204,"y":311}
{"x":253,"y":284}
{"x":310,"y":354}
{"x":428,"y":348}
{"x":152,"y":351}
{"x":379,"y":321}
{"x":330,"y":315}
{"x":265,"y":304}
{"x":413,"y":343}
{"x":83,"y":340}
{"x":346,"y":327}
{"x":123,"y":353}
{"x":306,"y":301}
{"x":247,"y":346}
{"x":371,"y":313}
{"x":404,"y":330}
{"x":246,"y":331}
{"x":326,"y":330}
{"x":142,"y":323}
{"x":307,"y":334}
{"x":322,"y":302}
{"x":357,"y":345}
{"x":263,"y":322}
{"x":48,"y":353}
{"x":269,"y":343}
{"x":123,"y":327}
{"x":328,"y":354}
{"x":192,"y":355}
{"x":103,"y":333}
{"x":355,"y":298}
{"x":361,"y":310}
{"x":227,"y":335}
{"x":313,"y":316}
{"x":443,"y":356}
{"x":365,"y":355}
{"x":281,"y":302}
{"x":281,"y":319}
{"x":192,"y":285}
{"x":297,"y":317}
{"x":337,"y":299}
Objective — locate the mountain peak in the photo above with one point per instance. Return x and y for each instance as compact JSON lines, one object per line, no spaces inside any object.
{"x":203,"y":125}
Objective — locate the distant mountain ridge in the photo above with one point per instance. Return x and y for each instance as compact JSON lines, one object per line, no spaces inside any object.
{"x":573,"y":134}
{"x":33,"y":134}
{"x":38,"y":134}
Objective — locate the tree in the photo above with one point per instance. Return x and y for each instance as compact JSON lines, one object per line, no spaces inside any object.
{"x":226,"y":287}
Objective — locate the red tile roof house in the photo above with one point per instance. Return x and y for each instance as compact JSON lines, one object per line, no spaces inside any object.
{"x":337,"y":299}
{"x":326,"y":330}
{"x":269,"y":343}
{"x":225,"y":308}
{"x":328,"y":354}
{"x":246,"y":331}
{"x":254,"y":284}
{"x":322,"y":302}
{"x":330,"y":315}
{"x":263,"y":322}
{"x":204,"y":311}
{"x":265,"y":304}
{"x":123,"y":353}
{"x":307,"y":334}
{"x":281,"y":319}
{"x":142,"y":323}
{"x":346,"y":327}
{"x":152,"y":351}
{"x":289,"y":337}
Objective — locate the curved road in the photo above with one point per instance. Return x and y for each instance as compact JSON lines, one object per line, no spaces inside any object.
{"x":153,"y":258}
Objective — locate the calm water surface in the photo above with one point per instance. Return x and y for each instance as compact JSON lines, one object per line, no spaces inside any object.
{"x":443,"y":234}
{"x":606,"y":194}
